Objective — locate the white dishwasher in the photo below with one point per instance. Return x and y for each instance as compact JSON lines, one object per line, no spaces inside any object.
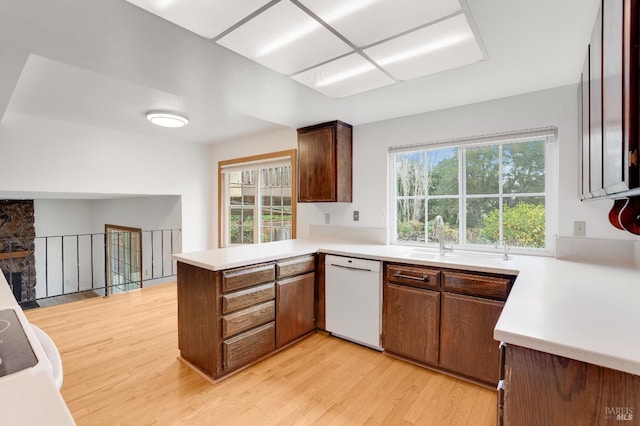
{"x":353,"y":299}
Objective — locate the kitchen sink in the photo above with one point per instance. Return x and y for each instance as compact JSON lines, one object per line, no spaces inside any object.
{"x":434,"y":254}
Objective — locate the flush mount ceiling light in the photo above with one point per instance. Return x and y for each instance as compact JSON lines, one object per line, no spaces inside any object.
{"x":167,"y":119}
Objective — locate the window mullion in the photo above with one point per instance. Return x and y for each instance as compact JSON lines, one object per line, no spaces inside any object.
{"x":462,"y":191}
{"x":500,"y":195}
{"x":257,"y":204}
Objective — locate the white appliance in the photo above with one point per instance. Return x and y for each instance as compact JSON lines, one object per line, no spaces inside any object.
{"x":353,"y":299}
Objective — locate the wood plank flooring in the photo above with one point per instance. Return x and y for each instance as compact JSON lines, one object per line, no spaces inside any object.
{"x":120,"y":367}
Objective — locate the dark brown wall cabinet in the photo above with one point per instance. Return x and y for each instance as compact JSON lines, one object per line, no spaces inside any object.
{"x":444,"y":319}
{"x":232,"y":318}
{"x":325,"y":163}
{"x":608,"y":115}
{"x":544,"y":389}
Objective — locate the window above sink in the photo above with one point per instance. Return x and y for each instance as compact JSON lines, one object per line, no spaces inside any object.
{"x":492,"y":193}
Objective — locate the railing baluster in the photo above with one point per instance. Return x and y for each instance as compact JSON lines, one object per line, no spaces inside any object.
{"x":62,"y":257}
{"x":78,"y":261}
{"x":152,"y":257}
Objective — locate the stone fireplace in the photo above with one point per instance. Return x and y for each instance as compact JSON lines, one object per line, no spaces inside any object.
{"x":17,"y":239}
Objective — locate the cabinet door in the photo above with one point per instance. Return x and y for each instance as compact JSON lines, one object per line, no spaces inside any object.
{"x":595,"y":115}
{"x":325,"y":163}
{"x":410,"y":325}
{"x":545,"y":389}
{"x":295,"y":301}
{"x":466,"y":337}
{"x":317,"y":165}
{"x":585,"y":187}
{"x":612,"y":99}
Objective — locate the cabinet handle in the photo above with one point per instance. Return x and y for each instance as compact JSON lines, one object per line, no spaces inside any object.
{"x":426,"y":278}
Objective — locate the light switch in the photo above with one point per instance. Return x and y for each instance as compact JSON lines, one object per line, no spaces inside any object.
{"x":579,"y":228}
{"x":356,"y":215}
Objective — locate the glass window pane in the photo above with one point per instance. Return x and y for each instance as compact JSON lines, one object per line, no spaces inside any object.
{"x":410,"y":220}
{"x":523,"y":167}
{"x":483,"y":220}
{"x":524,"y":222}
{"x":482,"y":170}
{"x":410,"y":174}
{"x":448,"y":209}
{"x":443,"y":171}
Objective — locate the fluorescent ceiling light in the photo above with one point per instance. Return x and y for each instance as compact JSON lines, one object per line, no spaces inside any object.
{"x":207,"y":18}
{"x":167,"y":119}
{"x":285,"y":39}
{"x":338,"y":48}
{"x":300,"y":31}
{"x":288,"y":37}
{"x":424,"y":49}
{"x":345,"y":75}
{"x":364,"y":22}
{"x":337,"y":78}
{"x":442,"y":46}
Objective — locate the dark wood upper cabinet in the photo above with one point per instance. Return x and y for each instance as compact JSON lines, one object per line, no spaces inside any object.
{"x":609,"y":113}
{"x":325,"y":163}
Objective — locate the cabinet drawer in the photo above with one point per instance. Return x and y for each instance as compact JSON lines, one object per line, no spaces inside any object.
{"x":249,"y":346}
{"x":476,"y":285}
{"x":251,"y":296}
{"x":236,"y":279}
{"x":414,"y":276}
{"x":248,"y":318}
{"x":295,"y":266}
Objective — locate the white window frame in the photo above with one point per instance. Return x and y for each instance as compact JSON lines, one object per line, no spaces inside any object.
{"x":275,"y":159}
{"x":551,"y":184}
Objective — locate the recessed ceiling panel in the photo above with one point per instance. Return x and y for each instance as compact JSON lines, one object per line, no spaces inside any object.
{"x":207,"y":18}
{"x":442,"y":46}
{"x":344,"y":77}
{"x":364,"y":22}
{"x":285,"y":39}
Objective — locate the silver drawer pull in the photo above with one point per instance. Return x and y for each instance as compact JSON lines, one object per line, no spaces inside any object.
{"x":425,"y":277}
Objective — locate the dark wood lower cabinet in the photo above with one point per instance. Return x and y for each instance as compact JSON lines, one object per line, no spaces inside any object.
{"x":197,"y":326}
{"x":411,"y":322}
{"x":295,"y":307}
{"x":546,"y":390}
{"x":466,"y":336}
{"x":249,"y":346}
{"x":229,"y":319}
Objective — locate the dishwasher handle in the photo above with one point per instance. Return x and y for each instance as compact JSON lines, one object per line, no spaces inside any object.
{"x":353,"y":268}
{"x":425,"y":278}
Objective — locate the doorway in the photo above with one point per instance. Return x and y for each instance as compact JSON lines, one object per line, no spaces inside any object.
{"x":124,"y":258}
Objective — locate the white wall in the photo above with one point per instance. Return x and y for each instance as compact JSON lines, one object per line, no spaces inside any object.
{"x":549,"y":108}
{"x":58,"y":157}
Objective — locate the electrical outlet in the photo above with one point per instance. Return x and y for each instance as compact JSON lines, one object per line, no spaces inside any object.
{"x":579,"y":228}
{"x":356,"y":215}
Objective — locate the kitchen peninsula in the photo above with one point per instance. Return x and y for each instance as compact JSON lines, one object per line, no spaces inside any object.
{"x":579,"y":311}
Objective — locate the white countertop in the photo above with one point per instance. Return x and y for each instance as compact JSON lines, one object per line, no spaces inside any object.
{"x":585,"y":312}
{"x":29,"y":397}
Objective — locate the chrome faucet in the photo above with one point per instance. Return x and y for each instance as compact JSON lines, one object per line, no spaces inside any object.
{"x":503,"y":243}
{"x":438,"y":230}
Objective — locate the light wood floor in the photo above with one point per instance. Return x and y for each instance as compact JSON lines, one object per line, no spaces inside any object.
{"x":120,"y":367}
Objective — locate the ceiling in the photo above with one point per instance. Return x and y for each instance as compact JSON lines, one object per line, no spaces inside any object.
{"x":105,"y":64}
